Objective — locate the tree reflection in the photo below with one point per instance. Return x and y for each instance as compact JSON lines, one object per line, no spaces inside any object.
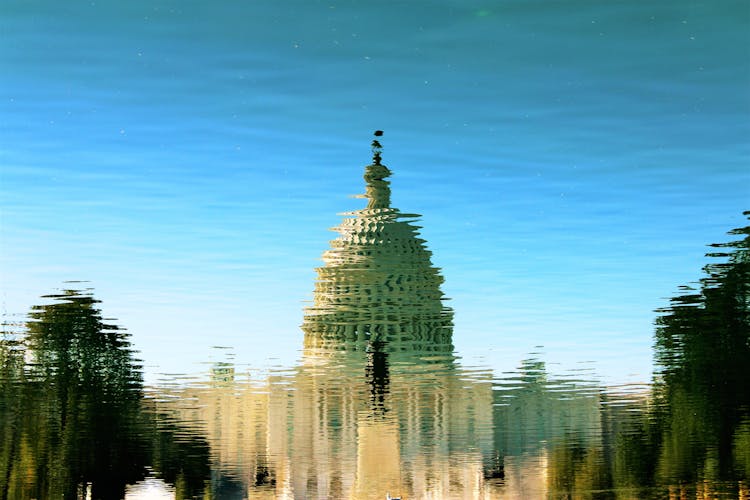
{"x":180,"y":458}
{"x":72,"y":412}
{"x":74,"y":405}
{"x":702,"y":349}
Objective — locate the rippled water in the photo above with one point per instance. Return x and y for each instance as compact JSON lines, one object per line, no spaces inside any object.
{"x":184,"y":159}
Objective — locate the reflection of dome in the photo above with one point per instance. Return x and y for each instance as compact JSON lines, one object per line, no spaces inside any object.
{"x":378,"y":283}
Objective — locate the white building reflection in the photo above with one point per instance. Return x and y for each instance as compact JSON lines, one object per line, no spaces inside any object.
{"x":379,"y":404}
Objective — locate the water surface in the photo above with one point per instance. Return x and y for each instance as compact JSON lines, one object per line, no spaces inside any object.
{"x":183,"y":161}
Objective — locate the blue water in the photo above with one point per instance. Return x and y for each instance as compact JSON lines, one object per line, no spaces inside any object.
{"x":571,"y":161}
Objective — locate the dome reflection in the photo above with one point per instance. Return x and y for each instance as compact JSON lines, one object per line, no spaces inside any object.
{"x":378,"y":284}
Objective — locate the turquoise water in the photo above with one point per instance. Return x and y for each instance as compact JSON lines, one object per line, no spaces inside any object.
{"x":570,"y":162}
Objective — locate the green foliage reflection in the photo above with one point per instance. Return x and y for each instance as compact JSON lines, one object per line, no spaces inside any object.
{"x":72,"y":419}
{"x":702,"y":349}
{"x":71,"y":394}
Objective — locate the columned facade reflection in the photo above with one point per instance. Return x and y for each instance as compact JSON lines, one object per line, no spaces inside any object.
{"x":378,"y":403}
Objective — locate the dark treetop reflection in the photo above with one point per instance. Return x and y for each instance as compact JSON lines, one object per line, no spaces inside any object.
{"x":71,"y":405}
{"x":702,"y":421}
{"x":74,"y":422}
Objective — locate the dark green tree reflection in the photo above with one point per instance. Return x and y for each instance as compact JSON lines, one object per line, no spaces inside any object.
{"x":73,"y":405}
{"x":73,"y":419}
{"x":703,"y":391}
{"x":692,"y":435}
{"x":14,"y":410}
{"x":180,"y":458}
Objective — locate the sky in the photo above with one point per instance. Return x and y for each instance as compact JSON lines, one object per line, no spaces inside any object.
{"x":571,"y":161}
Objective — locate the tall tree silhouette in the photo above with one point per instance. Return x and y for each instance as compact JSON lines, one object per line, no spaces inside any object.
{"x":80,"y":397}
{"x":702,"y":353}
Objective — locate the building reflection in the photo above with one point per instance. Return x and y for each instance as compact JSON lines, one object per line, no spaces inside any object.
{"x":382,"y":401}
{"x":425,"y":433}
{"x":421,"y":426}
{"x":379,"y":404}
{"x":343,"y":425}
